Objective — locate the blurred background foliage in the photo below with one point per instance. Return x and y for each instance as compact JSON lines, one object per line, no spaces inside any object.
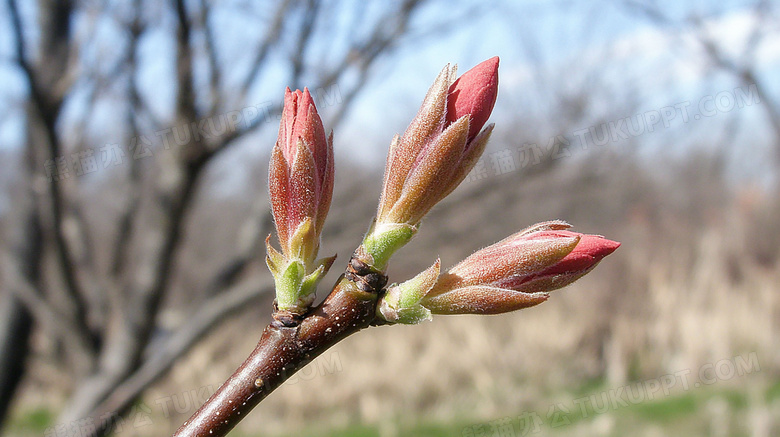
{"x":134,"y":137}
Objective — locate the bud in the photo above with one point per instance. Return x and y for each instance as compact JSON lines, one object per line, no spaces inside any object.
{"x":439,"y":148}
{"x":301,"y":187}
{"x":401,"y":302}
{"x":517,"y":272}
{"x":474,"y":94}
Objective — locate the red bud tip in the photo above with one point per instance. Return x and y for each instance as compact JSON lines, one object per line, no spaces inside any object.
{"x":301,"y":120}
{"x":474,"y":93}
{"x":589,"y":251}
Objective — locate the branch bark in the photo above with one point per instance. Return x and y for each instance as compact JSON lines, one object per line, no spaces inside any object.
{"x":281,"y":351}
{"x":210,"y":314}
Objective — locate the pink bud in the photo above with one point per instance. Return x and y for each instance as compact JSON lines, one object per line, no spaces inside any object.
{"x":300,"y":120}
{"x":474,"y":94}
{"x":518,"y":271}
{"x":441,"y":145}
{"x":301,"y":177}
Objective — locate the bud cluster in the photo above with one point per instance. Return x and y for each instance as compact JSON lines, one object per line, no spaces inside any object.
{"x":425,"y":164}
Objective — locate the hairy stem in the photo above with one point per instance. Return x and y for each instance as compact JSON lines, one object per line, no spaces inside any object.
{"x":281,"y":351}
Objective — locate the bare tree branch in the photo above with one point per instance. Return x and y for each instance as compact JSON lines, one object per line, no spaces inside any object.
{"x":215,"y":73}
{"x":125,"y":229}
{"x":379,"y":42}
{"x":57,"y":324}
{"x":305,"y":32}
{"x":234,"y":287}
{"x":144,"y":287}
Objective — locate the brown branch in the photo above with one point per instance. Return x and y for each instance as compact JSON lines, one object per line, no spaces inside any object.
{"x":209,"y":315}
{"x":281,"y":351}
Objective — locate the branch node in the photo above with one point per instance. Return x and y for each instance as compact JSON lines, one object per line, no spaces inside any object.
{"x":286,"y":318}
{"x":366,"y":277}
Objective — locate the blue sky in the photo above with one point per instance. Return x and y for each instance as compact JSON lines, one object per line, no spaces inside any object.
{"x":544,"y":46}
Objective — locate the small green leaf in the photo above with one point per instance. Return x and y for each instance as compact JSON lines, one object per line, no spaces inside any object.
{"x":413,"y":290}
{"x":414,"y":315}
{"x":288,"y":285}
{"x":273,"y":259}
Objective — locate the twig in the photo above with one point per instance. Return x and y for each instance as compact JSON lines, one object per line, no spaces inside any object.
{"x":281,"y":351}
{"x":165,"y":355}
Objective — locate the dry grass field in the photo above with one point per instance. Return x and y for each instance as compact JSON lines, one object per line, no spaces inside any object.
{"x":675,"y":334}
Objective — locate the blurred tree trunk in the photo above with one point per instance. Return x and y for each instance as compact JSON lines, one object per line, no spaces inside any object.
{"x":15,"y":329}
{"x":21,"y":267}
